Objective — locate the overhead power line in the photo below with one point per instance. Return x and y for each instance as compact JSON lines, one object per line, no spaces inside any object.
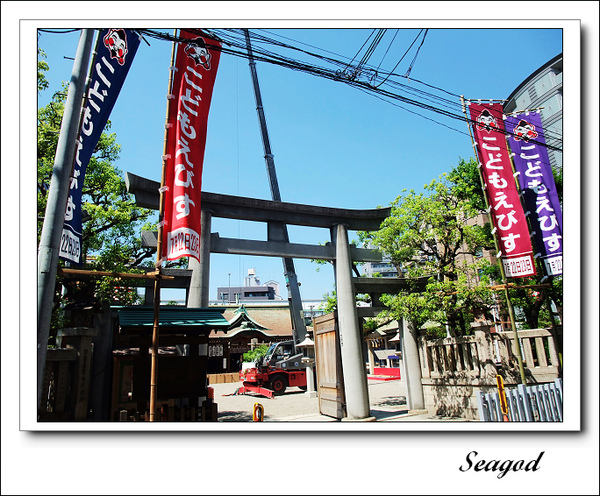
{"x":359,"y":50}
{"x":416,"y":55}
{"x":233,"y":43}
{"x":402,"y":58}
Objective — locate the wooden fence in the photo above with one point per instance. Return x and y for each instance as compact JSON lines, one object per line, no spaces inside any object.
{"x":58,"y":386}
{"x":66,"y":386}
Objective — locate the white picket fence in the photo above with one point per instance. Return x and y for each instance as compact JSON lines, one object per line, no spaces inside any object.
{"x":538,"y":403}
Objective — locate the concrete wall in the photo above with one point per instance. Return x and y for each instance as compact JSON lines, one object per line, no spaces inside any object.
{"x":453,"y":397}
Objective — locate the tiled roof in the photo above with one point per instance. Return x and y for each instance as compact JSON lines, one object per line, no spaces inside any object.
{"x":172,"y":317}
{"x":243,"y":320}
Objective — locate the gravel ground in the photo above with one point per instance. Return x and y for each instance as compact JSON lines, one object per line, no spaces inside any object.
{"x":386,"y":398}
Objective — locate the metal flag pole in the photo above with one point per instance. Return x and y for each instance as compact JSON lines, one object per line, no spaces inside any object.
{"x":511,"y":312}
{"x":288,"y":263}
{"x":58,"y":194}
{"x":158,"y":264}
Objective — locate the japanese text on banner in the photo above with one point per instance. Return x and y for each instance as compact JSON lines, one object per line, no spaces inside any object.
{"x":536,"y":182}
{"x":115,"y":52}
{"x":195,"y":72}
{"x":506,"y":211}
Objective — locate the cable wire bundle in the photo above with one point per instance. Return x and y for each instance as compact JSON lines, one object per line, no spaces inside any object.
{"x":384,"y":85}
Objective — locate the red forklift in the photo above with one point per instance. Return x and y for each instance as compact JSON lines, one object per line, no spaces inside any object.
{"x":270,"y":375}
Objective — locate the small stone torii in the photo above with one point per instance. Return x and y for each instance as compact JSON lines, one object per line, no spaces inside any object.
{"x":338,"y":251}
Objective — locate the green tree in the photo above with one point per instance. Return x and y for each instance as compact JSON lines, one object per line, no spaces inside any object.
{"x":256,"y":354}
{"x":330,"y":303}
{"x":556,"y":294}
{"x":466,"y":183}
{"x":42,"y":67}
{"x":530,"y":303}
{"x":529,"y":300}
{"x":112,"y":221}
{"x":434,"y":235}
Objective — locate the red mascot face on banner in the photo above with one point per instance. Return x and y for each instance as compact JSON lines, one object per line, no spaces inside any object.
{"x":486,"y":122}
{"x":116,"y":42}
{"x":197,"y":51}
{"x":525,"y":131}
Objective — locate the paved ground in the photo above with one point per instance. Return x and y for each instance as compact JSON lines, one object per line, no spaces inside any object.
{"x":387,"y":401}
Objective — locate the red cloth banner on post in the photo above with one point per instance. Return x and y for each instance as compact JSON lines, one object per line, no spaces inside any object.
{"x":193,"y":80}
{"x":506,"y":212}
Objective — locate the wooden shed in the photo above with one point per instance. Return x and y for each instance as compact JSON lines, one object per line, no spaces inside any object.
{"x":182,"y":355}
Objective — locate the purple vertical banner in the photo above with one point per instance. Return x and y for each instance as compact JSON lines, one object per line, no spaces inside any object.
{"x":532,"y":165}
{"x":115,"y":51}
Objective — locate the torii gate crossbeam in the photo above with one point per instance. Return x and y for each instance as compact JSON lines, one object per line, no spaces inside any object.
{"x":339,"y":221}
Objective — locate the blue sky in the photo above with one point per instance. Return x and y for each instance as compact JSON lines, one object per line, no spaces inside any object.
{"x":334,"y":144}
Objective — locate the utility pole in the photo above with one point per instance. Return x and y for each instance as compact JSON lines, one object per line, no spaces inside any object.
{"x":277,"y":230}
{"x":58,"y":194}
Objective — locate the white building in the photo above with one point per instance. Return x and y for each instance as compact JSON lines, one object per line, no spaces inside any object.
{"x":543,"y":90}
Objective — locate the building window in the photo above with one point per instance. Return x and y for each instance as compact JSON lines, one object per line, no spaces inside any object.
{"x":532,"y":93}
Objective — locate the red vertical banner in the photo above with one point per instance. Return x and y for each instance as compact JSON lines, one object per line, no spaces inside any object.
{"x":506,"y":212}
{"x":193,"y":80}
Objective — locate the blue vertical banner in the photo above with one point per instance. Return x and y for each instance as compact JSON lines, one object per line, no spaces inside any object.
{"x":115,"y":51}
{"x":537,"y":187}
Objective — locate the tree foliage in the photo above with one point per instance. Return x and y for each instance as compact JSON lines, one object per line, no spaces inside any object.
{"x":112,"y":221}
{"x":330,"y":304}
{"x":531,"y":303}
{"x":466,"y":183}
{"x":442,"y":234}
{"x":42,"y":67}
{"x":256,"y":354}
{"x":435,"y":235}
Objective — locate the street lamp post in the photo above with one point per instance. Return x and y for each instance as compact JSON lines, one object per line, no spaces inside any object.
{"x":229,"y":291}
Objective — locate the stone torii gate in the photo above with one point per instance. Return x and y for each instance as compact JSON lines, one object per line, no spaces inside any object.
{"x":339,"y":251}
